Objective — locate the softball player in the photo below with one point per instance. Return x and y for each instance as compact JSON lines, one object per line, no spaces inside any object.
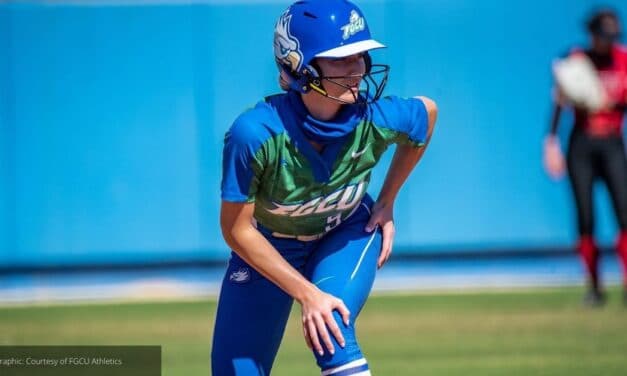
{"x":295,"y":210}
{"x":596,"y":148}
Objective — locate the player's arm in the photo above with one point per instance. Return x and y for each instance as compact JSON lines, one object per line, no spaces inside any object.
{"x":558,"y":104}
{"x":236,"y":222}
{"x":403,"y":162}
{"x":553,"y":159}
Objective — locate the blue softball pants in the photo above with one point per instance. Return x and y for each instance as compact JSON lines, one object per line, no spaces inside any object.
{"x":253,"y":312}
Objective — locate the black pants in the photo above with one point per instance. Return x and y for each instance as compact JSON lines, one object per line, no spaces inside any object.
{"x":590,"y":158}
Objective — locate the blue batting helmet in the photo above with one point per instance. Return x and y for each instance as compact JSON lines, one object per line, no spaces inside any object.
{"x":309,"y":29}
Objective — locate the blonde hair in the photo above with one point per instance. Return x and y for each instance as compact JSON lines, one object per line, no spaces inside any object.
{"x":284,"y":81}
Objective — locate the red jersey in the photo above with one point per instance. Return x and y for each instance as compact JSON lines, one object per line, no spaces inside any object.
{"x":613,"y":74}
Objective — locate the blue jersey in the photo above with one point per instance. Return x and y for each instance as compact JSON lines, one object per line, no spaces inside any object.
{"x":296,"y":189}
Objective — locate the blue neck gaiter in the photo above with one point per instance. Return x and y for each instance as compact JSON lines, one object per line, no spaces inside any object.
{"x":324,"y":132}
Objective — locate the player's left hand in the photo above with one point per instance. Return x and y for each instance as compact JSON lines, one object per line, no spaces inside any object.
{"x":383,"y":216}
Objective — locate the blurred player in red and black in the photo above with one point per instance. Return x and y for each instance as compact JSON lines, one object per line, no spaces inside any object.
{"x":596,"y":148}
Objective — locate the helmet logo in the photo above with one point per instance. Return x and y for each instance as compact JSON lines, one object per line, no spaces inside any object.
{"x":356,"y":24}
{"x":285,"y":45}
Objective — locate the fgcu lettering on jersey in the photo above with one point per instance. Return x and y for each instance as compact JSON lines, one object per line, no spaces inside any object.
{"x":286,"y":47}
{"x":356,"y":24}
{"x":340,"y":200}
{"x":296,"y":189}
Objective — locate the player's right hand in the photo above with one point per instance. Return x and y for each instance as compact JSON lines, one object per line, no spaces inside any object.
{"x":317,"y":316}
{"x":554,"y":163}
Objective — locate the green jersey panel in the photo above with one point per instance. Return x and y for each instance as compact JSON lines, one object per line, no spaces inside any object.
{"x":297,"y":190}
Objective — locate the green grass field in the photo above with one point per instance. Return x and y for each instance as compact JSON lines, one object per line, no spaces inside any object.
{"x":539,"y":332}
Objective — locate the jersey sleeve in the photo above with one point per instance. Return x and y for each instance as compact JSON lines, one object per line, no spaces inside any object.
{"x":403,"y":120}
{"x":243,"y":160}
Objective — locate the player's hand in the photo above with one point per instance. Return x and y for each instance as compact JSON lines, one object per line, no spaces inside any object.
{"x":553,"y":159}
{"x":317,"y":315}
{"x":383,"y":216}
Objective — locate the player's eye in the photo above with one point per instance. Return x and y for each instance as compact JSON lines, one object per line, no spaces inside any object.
{"x":347,"y":59}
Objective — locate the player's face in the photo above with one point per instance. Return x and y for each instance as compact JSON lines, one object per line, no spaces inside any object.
{"x":347,"y":71}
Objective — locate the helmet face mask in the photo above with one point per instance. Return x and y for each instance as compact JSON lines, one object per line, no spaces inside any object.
{"x":371,"y":84}
{"x":334,"y":29}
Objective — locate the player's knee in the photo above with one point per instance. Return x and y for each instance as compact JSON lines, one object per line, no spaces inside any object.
{"x":343,"y":355}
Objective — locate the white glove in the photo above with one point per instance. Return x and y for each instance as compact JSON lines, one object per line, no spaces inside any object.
{"x":579,"y":81}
